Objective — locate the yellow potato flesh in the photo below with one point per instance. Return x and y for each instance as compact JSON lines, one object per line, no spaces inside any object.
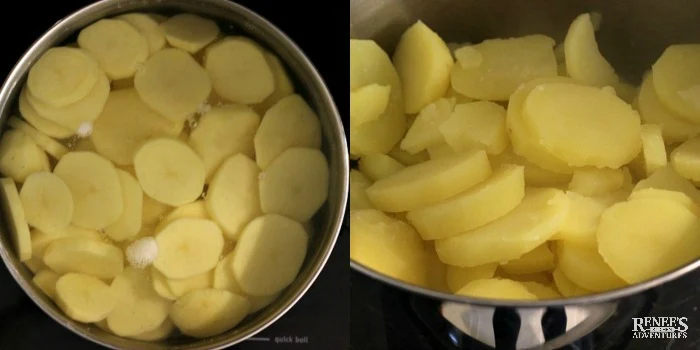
{"x":595,"y":181}
{"x":42,"y":124}
{"x":536,"y":260}
{"x":644,"y":238}
{"x":534,"y":221}
{"x":495,"y":288}
{"x":582,"y":220}
{"x":678,"y":197}
{"x":358,"y":191}
{"x":436,"y":270}
{"x":504,"y":65}
{"x":685,"y":159}
{"x":378,"y":166}
{"x":458,"y":277}
{"x":476,"y":125}
{"x":653,"y":155}
{"x":535,"y":175}
{"x":116,"y":45}
{"x":539,"y":277}
{"x":148,"y":27}
{"x":586,"y":268}
{"x":406,"y":158}
{"x":369,"y":64}
{"x":20,"y":156}
{"x":440,"y":151}
{"x":583,"y":59}
{"x":668,"y":179}
{"x":583,"y":125}
{"x":189,"y":32}
{"x":566,"y":287}
{"x":283,"y":85}
{"x":677,"y":80}
{"x":541,"y":291}
{"x":653,"y":111}
{"x":425,"y":130}
{"x":471,"y":209}
{"x":430,"y":182}
{"x":423,"y":63}
{"x":368,"y":103}
{"x":61,"y":76}
{"x":387,"y":245}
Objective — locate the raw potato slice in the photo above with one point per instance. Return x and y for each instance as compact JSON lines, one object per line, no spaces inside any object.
{"x":667,"y":179}
{"x":225,"y":279}
{"x":35,"y":265}
{"x":537,"y":260}
{"x":369,"y":64}
{"x":189,"y":32}
{"x":20,"y":156}
{"x":595,"y":181}
{"x":534,"y":221}
{"x":586,"y":268}
{"x":47,"y":202}
{"x":84,"y":255}
{"x":138,"y":308}
{"x":197,"y":210}
{"x":423,"y":63}
{"x":94,"y":184}
{"x":541,"y":291}
{"x":42,"y":124}
{"x":85,"y":110}
{"x":61,"y":76}
{"x":129,"y":223}
{"x":473,"y":208}
{"x":583,"y":125}
{"x":425,"y":130}
{"x":169,"y":171}
{"x":387,"y":245}
{"x":566,"y":287}
{"x":644,"y":238}
{"x":476,"y":125}
{"x":180,"y":287}
{"x":504,"y":65}
{"x":188,"y":247}
{"x":160,"y":333}
{"x":206,"y":312}
{"x":41,"y":239}
{"x":19,"y":230}
{"x":160,"y":285}
{"x":583,"y":59}
{"x":84,"y":298}
{"x":367,"y":103}
{"x":233,"y":197}
{"x":378,"y":166}
{"x":458,"y":277}
{"x":496,"y":288}
{"x":295,"y":184}
{"x":685,"y":159}
{"x":51,"y":146}
{"x":125,"y":124}
{"x":359,"y":183}
{"x":271,"y":246}
{"x":223,"y":132}
{"x":46,"y":281}
{"x":173,"y":84}
{"x":148,"y":27}
{"x":238,"y":71}
{"x":653,"y":155}
{"x":582,"y":220}
{"x":289,"y":123}
{"x":283,"y":85}
{"x":653,"y":111}
{"x":153,"y":212}
{"x":429,"y":182}
{"x":677,"y":80}
{"x":535,"y":175}
{"x":116,"y":45}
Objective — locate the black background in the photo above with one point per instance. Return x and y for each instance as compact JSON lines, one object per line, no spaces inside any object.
{"x":321,"y":31}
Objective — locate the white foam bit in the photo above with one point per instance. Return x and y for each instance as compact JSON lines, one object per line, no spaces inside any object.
{"x":85,"y":129}
{"x":142,"y":252}
{"x":203,"y":108}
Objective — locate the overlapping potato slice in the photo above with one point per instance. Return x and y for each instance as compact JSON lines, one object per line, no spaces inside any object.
{"x":84,"y":255}
{"x":188,"y":247}
{"x":84,"y":298}
{"x":137,"y":307}
{"x":62,"y":76}
{"x":189,"y":32}
{"x":206,"y":312}
{"x":47,"y":202}
{"x":20,"y":156}
{"x":148,"y":27}
{"x":116,"y":45}
{"x":19,"y":230}
{"x":496,"y":288}
{"x":584,"y":61}
{"x":677,"y":80}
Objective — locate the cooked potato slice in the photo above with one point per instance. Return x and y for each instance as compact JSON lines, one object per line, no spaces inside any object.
{"x":369,"y":64}
{"x":188,"y":247}
{"x":295,"y":184}
{"x":504,"y":65}
{"x":644,"y":238}
{"x":84,"y":255}
{"x":62,"y":76}
{"x":289,"y":123}
{"x":668,"y":179}
{"x":367,"y":103}
{"x":149,"y":29}
{"x":537,"y":260}
{"x":653,"y":155}
{"x":441,"y":150}
{"x":583,"y":59}
{"x":582,"y":220}
{"x":378,"y":166}
{"x":283,"y":85}
{"x":223,"y":132}
{"x":535,"y":175}
{"x":536,"y":219}
{"x":47,"y":202}
{"x":19,"y":230}
{"x":542,"y":291}
{"x":189,"y":32}
{"x":436,"y":270}
{"x":482,"y":204}
{"x":42,"y":124}
{"x":233,"y":198}
{"x":406,"y":158}
{"x":677,"y":80}
{"x":173,"y":84}
{"x":496,"y":288}
{"x":675,"y":196}
{"x":476,"y":125}
{"x":430,"y":182}
{"x":425,"y":130}
{"x":206,"y":312}
{"x":359,"y":183}
{"x":423,"y":63}
{"x":116,"y":45}
{"x":20,"y":156}
{"x":583,"y":266}
{"x":685,"y":159}
{"x":84,"y":298}
{"x":125,"y":123}
{"x":653,"y":111}
{"x":387,"y":245}
{"x":583,"y":125}
{"x":596,"y":181}
{"x":162,"y":332}
{"x":137,"y":308}
{"x":46,"y":281}
{"x":566,"y":287}
{"x":129,"y":223}
{"x":458,"y":277}
{"x":51,"y":146}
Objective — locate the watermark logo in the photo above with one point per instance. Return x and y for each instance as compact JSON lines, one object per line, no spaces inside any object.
{"x":660,"y":327}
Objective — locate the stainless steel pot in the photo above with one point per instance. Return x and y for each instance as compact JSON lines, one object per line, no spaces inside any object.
{"x":633,"y":35}
{"x":309,"y":83}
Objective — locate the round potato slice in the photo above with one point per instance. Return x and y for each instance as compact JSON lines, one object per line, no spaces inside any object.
{"x":47,"y":202}
{"x":583,"y":125}
{"x":542,"y":291}
{"x":283,"y":85}
{"x":537,"y":260}
{"x":653,"y":111}
{"x":148,"y":27}
{"x":458,"y":277}
{"x":197,"y":210}
{"x":42,"y":124}
{"x":138,"y":308}
{"x":84,"y":298}
{"x":188,"y":247}
{"x":181,"y":286}
{"x":169,"y":171}
{"x":118,"y":47}
{"x":189,"y":32}
{"x":644,"y":238}
{"x":206,"y":312}
{"x":19,"y":230}
{"x":586,"y":268}
{"x":677,"y":80}
{"x":238,"y":71}
{"x":20,"y":156}
{"x":224,"y":278}
{"x":51,"y":146}
{"x":129,"y":223}
{"x":266,"y":237}
{"x":583,"y":59}
{"x":84,"y":255}
{"x":496,"y":288}
{"x":62,"y":76}
{"x":94,"y":184}
{"x":160,"y":285}
{"x":566,"y":287}
{"x":160,"y":333}
{"x":46,"y":281}
{"x":173,"y":84}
